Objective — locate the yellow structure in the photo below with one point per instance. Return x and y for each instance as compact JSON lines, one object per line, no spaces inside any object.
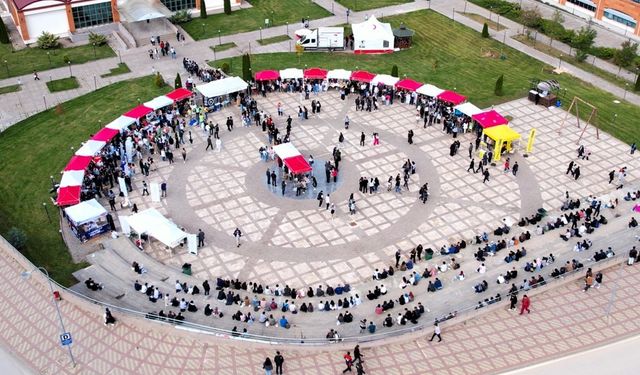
{"x":501,"y":134}
{"x":532,"y":137}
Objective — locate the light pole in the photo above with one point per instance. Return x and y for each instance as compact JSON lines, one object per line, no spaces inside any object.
{"x":626,"y":88}
{"x":287,"y":27}
{"x":260,"y":33}
{"x":6,"y":65}
{"x":119,"y":57}
{"x":46,"y":210}
{"x":203,"y":29}
{"x":94,"y":50}
{"x":25,"y":275}
{"x":70,"y":73}
{"x":560,"y":61}
{"x":219,"y":40}
{"x":53,"y":182}
{"x":49,"y":57}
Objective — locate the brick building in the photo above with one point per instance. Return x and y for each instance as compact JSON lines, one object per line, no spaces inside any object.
{"x":623,"y":14}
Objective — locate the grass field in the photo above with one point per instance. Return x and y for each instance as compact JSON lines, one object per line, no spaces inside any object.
{"x":63,"y":84}
{"x":38,"y":147}
{"x":278,"y":12}
{"x":481,"y":19}
{"x":122,"y":68}
{"x":584,"y":65}
{"x":358,"y":5}
{"x":471,"y":66}
{"x":25,"y":61}
{"x":272,"y":40}
{"x":223,"y":47}
{"x":10,"y":88}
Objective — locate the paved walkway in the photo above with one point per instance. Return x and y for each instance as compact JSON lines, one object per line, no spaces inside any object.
{"x":35,"y":97}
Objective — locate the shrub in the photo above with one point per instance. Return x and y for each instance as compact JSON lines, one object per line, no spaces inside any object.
{"x":605,"y":53}
{"x":97,"y":39}
{"x":66,"y":59}
{"x":4,"y":35}
{"x":225,"y":68}
{"x":48,"y":41}
{"x":485,"y":30}
{"x":394,"y":71}
{"x":531,"y":18}
{"x":178,"y":82}
{"x":227,"y":6}
{"x":557,"y":16}
{"x":626,"y":55}
{"x":158,"y":80}
{"x":17,"y":238}
{"x":583,"y":39}
{"x":581,"y":55}
{"x":59,"y":109}
{"x":499,"y":83}
{"x":203,"y":9}
{"x":180,"y":16}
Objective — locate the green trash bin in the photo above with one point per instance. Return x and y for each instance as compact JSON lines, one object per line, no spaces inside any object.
{"x":428,"y":254}
{"x":186,"y":269}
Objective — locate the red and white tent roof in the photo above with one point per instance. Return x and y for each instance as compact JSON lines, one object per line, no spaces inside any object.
{"x":138,"y":112}
{"x":452,"y":97}
{"x":90,"y":148}
{"x":315,"y":73}
{"x":291,"y":73}
{"x":362,"y":76}
{"x":429,"y":90}
{"x":339,"y":74}
{"x":408,"y":84}
{"x":105,"y":134}
{"x":78,"y":163}
{"x":385,"y":79}
{"x":292,"y":158}
{"x":267,"y":75}
{"x":72,"y":178}
{"x":68,"y":196}
{"x":179,"y":94}
{"x":489,"y":119}
{"x":159,"y":102}
{"x":120,"y":123}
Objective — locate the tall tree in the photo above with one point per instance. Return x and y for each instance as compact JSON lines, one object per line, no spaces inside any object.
{"x":625,"y":56}
{"x":246,"y":67}
{"x":178,"y":81}
{"x":203,"y":9}
{"x":394,"y":71}
{"x":227,"y":6}
{"x":4,"y":35}
{"x":485,"y":30}
{"x":499,"y":82}
{"x":582,"y":41}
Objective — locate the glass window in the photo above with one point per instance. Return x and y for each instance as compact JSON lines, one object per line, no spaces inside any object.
{"x":176,"y":5}
{"x":92,"y":15}
{"x":615,"y":16}
{"x":584,"y":4}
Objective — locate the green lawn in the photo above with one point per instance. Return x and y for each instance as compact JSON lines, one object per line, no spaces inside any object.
{"x":471,"y":66}
{"x":122,"y":68}
{"x":10,"y":88}
{"x":272,"y":40}
{"x":223,"y":47}
{"x":25,"y":61}
{"x":358,"y":5}
{"x":584,"y":65}
{"x":250,"y":19}
{"x":481,"y":19}
{"x":38,"y":147}
{"x":63,"y":84}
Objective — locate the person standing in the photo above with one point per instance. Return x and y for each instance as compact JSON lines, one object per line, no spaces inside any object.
{"x":436,"y":332}
{"x":209,"y":143}
{"x":206,"y":287}
{"x":267,"y":366}
{"x":576,"y":173}
{"x":470,"y":150}
{"x":320,"y":198}
{"x":284,"y":186}
{"x":163,"y":189}
{"x":200,"y":238}
{"x":362,"y":138}
{"x":515,"y":168}
{"x":184,"y":155}
{"x":145,"y":190}
{"x":570,"y":167}
{"x":472,"y":166}
{"x":348,"y":361}
{"x":360,"y":369}
{"x":36,"y":78}
{"x":410,"y":137}
{"x":357,"y":356}
{"x":486,"y":176}
{"x":108,"y":318}
{"x":525,"y":304}
{"x":279,"y":360}
{"x":237,"y":234}
{"x":327,"y":201}
{"x":218,"y":144}
{"x":633,"y":148}
{"x":514,"y":301}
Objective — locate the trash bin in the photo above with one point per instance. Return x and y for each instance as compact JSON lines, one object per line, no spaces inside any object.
{"x":428,"y":254}
{"x":186,"y":269}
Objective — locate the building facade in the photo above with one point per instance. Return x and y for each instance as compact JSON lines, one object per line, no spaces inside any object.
{"x":64,"y":17}
{"x":623,"y":14}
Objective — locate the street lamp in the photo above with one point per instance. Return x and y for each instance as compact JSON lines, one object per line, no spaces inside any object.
{"x":94,"y":50}
{"x":6,"y":65}
{"x":26,"y":275}
{"x":203,"y":29}
{"x":49,"y":57}
{"x":287,"y":27}
{"x":70,"y":73}
{"x":626,"y":88}
{"x":46,"y":210}
{"x":53,"y":182}
{"x":560,"y":61}
{"x":261,"y":33}
{"x":219,"y":40}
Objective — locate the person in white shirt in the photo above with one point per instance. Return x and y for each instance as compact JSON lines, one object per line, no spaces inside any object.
{"x":501,"y":279}
{"x":482,"y":268}
{"x":443,"y":267}
{"x":383,"y":290}
{"x":144,"y":288}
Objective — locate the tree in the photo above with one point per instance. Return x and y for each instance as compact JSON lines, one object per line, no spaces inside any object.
{"x":4,"y":36}
{"x":158,"y":80}
{"x":625,"y":56}
{"x":583,"y":40}
{"x":178,"y":82}
{"x":299,"y":51}
{"x":246,"y":67}
{"x":17,"y":238}
{"x":557,"y":16}
{"x":499,"y":82}
{"x":485,"y":30}
{"x":227,"y":6}
{"x":637,"y":86}
{"x":203,"y":9}
{"x":394,"y":71}
{"x":531,"y":18}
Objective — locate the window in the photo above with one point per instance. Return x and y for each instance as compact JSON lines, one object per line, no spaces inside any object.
{"x":385,"y":44}
{"x":176,"y":5}
{"x":620,"y":17}
{"x":589,"y":5}
{"x":92,"y":15}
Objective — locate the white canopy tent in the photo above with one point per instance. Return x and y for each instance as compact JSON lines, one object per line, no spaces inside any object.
{"x":141,"y":10}
{"x":221,"y":87}
{"x":286,"y":150}
{"x":90,"y":148}
{"x":385,"y":79}
{"x":339,"y":74}
{"x":372,"y":36}
{"x":120,"y":123}
{"x":291,"y":73}
{"x":154,"y":224}
{"x":429,"y":90}
{"x":85,"y":211}
{"x":468,"y":109}
{"x":159,"y":102}
{"x":72,"y":178}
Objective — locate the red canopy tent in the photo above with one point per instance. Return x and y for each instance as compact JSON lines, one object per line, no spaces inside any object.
{"x":489,"y":119}
{"x":138,"y":112}
{"x":452,"y":97}
{"x":78,"y":163}
{"x":179,"y":94}
{"x":105,"y":135}
{"x":267,"y":75}
{"x":68,"y":196}
{"x":362,"y":76}
{"x":315,"y":73}
{"x":408,"y":84}
{"x":297,"y":164}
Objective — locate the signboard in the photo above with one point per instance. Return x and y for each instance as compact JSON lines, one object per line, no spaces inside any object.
{"x":65,"y":339}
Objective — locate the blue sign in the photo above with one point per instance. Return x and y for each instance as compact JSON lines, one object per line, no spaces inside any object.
{"x":65,"y":339}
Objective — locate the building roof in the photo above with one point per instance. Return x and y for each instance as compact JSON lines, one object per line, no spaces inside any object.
{"x":403,"y":31}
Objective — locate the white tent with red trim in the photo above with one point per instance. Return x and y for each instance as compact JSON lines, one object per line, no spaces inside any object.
{"x":372,"y":36}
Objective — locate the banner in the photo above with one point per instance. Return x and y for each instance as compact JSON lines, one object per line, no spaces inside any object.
{"x":192,"y":243}
{"x":532,"y":137}
{"x":155,"y":192}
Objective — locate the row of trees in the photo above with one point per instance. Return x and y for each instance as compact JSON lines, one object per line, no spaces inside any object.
{"x":203,"y":8}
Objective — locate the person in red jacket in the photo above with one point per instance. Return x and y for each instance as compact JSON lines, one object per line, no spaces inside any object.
{"x":526,"y":302}
{"x":348,"y":360}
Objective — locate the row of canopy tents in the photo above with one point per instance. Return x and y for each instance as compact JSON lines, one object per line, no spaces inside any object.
{"x":73,"y":174}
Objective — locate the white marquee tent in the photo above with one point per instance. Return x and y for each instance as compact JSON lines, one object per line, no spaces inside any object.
{"x":385,"y":79}
{"x":468,"y":109}
{"x":291,"y":73}
{"x":90,"y":148}
{"x":154,"y":224}
{"x":339,"y":74}
{"x":120,"y":123}
{"x":221,"y":87}
{"x":372,"y":36}
{"x":429,"y":90}
{"x":159,"y":102}
{"x":285,"y":150}
{"x":85,"y":211}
